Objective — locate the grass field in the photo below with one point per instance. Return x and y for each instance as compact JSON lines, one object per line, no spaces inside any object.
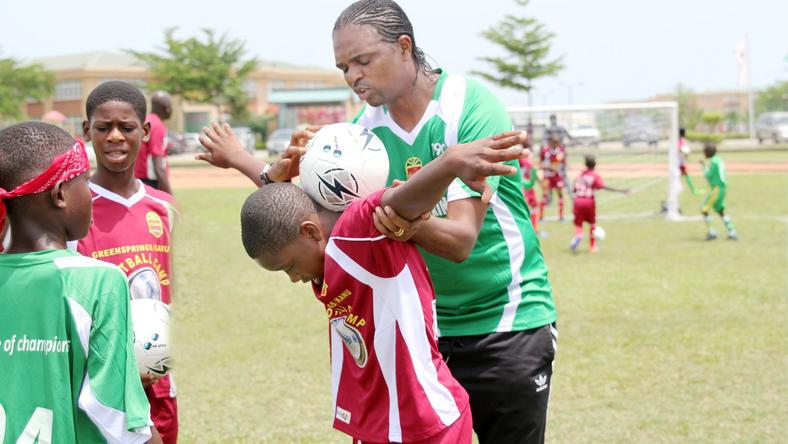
{"x":663,"y":337}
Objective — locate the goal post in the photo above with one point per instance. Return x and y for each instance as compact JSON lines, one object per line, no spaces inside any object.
{"x":619,"y":129}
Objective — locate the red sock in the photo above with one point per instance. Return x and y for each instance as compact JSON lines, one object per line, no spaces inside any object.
{"x":541,"y":205}
{"x":561,"y":208}
{"x":591,"y":237}
{"x":535,"y":221}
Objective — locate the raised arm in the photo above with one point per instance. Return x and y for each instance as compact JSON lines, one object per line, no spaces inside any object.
{"x":471,"y":162}
{"x":617,"y":190}
{"x":226,"y":151}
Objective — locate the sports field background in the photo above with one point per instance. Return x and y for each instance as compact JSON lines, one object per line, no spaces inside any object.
{"x":662,"y":337}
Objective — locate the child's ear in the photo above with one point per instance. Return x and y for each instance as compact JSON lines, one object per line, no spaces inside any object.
{"x":311,"y":230}
{"x":86,"y":130}
{"x":146,"y":132}
{"x":58,"y":195}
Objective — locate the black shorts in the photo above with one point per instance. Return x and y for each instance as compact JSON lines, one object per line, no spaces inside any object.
{"x":507,"y":377}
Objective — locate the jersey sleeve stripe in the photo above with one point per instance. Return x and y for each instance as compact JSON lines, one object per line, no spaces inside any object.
{"x":452,"y":102}
{"x":516,"y":250}
{"x":359,"y":239}
{"x":110,"y":422}
{"x":83,"y":322}
{"x":84,"y":262}
{"x":348,"y":264}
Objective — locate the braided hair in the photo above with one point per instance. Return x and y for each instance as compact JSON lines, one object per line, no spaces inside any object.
{"x":388,"y":19}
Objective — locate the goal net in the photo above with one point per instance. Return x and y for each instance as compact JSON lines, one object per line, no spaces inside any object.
{"x":635,"y":145}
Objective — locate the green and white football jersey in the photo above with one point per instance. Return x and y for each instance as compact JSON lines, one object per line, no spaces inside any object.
{"x":503,"y":285}
{"x":67,"y":361}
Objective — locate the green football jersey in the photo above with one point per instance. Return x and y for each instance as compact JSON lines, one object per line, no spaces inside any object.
{"x":715,"y":172}
{"x":67,"y":361}
{"x":503,"y":285}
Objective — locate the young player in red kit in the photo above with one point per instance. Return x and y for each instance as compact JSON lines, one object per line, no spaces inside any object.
{"x":585,"y":187}
{"x":389,"y":381}
{"x":132,"y":222}
{"x":530,"y":177}
{"x":553,"y":161}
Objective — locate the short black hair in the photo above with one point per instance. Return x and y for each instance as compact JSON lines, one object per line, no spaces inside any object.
{"x":27,"y":149}
{"x":388,"y":19}
{"x":682,"y":132}
{"x":115,"y":90}
{"x":270,"y":217}
{"x":710,"y":147}
{"x":590,"y":161}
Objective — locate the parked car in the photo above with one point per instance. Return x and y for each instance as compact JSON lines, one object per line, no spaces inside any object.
{"x":639,"y":129}
{"x":278,"y":141}
{"x":192,"y":142}
{"x":773,"y":125}
{"x":175,"y":143}
{"x":247,"y":138}
{"x":584,"y":134}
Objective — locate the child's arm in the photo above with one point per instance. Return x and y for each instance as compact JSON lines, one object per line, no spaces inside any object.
{"x":471,"y":162}
{"x":617,"y":190}
{"x":225,"y":151}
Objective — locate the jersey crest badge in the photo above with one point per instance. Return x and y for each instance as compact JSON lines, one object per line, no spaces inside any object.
{"x":155,"y":225}
{"x":412,"y":165}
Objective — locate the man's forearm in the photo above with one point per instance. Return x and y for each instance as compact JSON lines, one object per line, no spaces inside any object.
{"x":449,"y":239}
{"x":422,"y":192}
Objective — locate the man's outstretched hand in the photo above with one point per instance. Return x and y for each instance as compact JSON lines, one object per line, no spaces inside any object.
{"x":474,"y":161}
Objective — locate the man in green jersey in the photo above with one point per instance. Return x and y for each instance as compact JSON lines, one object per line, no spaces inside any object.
{"x":718,"y":184}
{"x":494,"y":302}
{"x":66,"y":352}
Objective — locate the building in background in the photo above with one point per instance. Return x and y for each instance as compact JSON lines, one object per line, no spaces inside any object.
{"x":295,"y":94}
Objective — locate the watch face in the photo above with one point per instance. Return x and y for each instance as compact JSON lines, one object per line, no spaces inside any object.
{"x":264,"y":175}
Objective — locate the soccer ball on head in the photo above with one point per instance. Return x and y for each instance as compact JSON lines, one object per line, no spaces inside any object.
{"x":343,"y":162}
{"x":151,"y":324}
{"x":599,"y":233}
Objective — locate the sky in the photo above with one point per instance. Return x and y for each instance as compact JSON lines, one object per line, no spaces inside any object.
{"x":612,"y":49}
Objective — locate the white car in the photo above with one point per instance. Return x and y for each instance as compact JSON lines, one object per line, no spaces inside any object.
{"x":772,"y":126}
{"x":278,"y":141}
{"x":584,"y":134}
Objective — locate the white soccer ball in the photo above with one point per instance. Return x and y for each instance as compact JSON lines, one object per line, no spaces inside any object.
{"x":686,"y":150}
{"x":343,"y":162}
{"x":151,"y":323}
{"x":599,"y":233}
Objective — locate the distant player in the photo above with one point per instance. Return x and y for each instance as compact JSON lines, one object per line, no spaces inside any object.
{"x":67,"y":368}
{"x":151,"y":165}
{"x":530,"y":177}
{"x":553,"y":161}
{"x":555,"y":128}
{"x":718,"y":184}
{"x":132,"y":222}
{"x":684,"y":152}
{"x":390,"y":383}
{"x":584,"y":208}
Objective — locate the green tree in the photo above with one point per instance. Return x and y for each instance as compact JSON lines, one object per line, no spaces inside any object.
{"x":527,"y":44}
{"x":18,"y":83}
{"x":210,"y":70}
{"x":712,"y":120}
{"x":773,"y":98}
{"x":689,"y":114}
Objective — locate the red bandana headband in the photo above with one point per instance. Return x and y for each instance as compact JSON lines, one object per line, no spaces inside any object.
{"x":65,"y":167}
